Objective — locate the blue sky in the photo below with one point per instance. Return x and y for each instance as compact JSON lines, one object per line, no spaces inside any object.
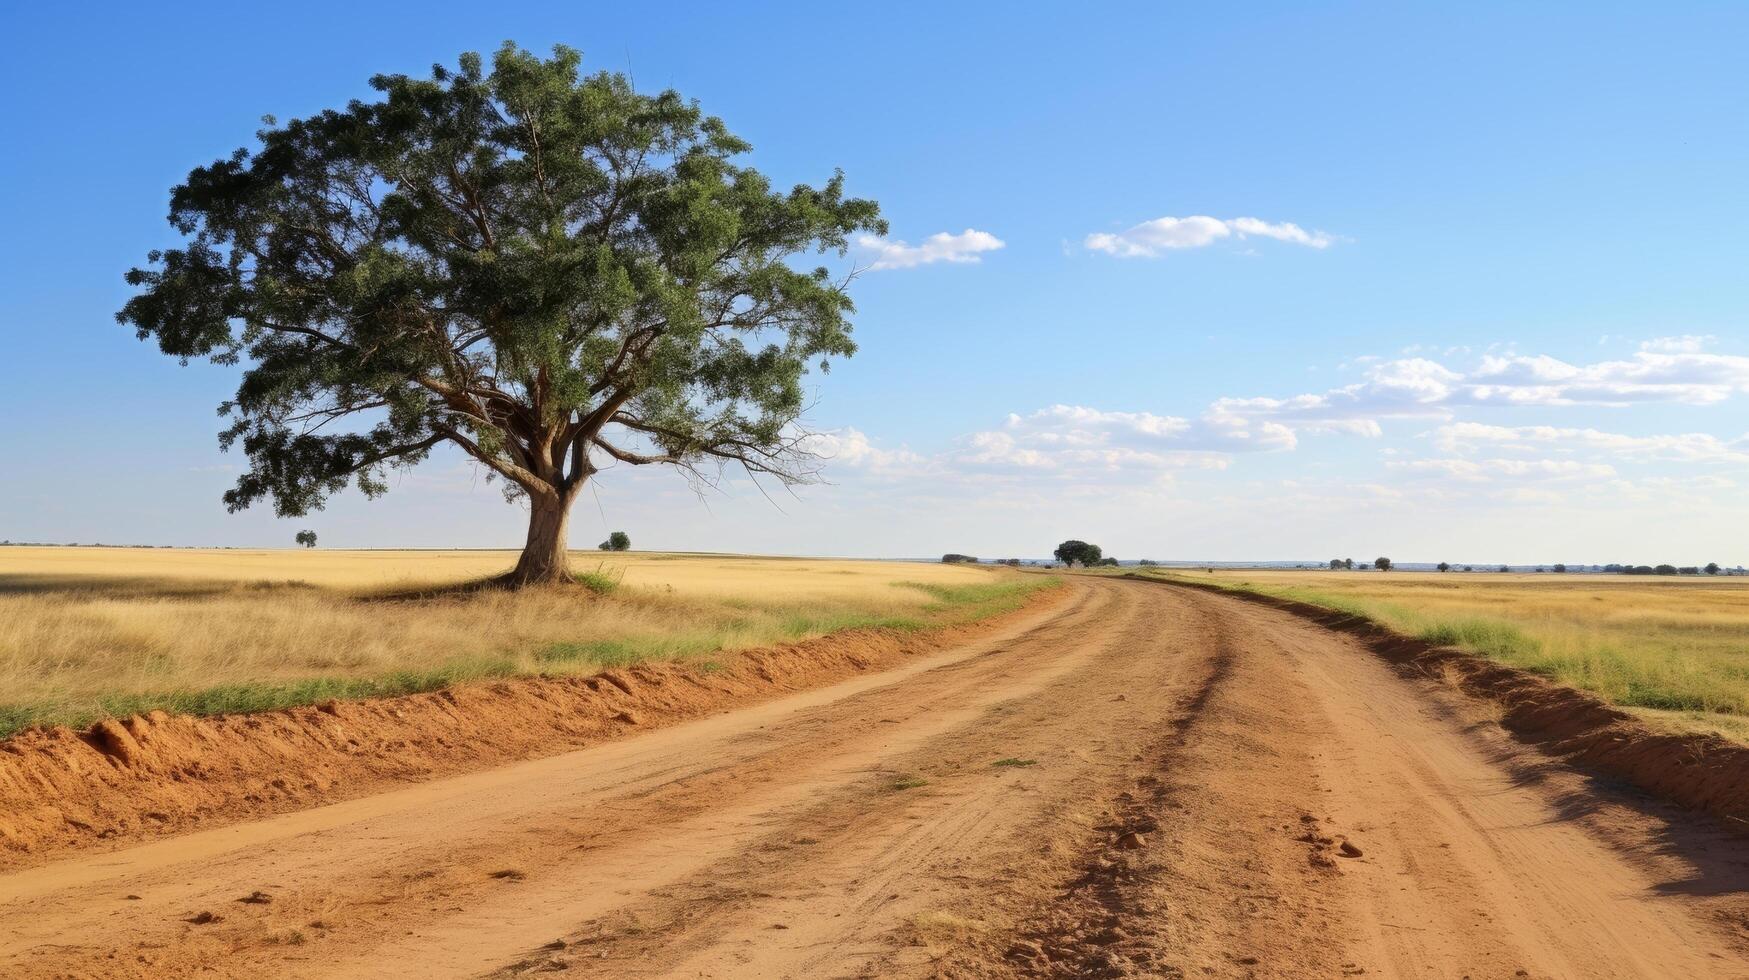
{"x":1489,"y":305}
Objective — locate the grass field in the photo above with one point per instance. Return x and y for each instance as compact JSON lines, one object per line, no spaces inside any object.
{"x":93,"y":632}
{"x":1675,"y":649}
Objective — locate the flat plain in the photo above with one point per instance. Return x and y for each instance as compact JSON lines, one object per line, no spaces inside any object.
{"x":87,"y":633}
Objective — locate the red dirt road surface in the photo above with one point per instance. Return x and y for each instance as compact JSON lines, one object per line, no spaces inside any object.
{"x":1137,"y":780}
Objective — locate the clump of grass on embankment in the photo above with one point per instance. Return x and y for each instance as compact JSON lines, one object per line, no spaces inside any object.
{"x":1675,"y":649}
{"x":89,"y":633}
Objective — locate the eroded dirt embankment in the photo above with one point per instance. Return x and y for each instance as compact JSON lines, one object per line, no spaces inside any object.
{"x":1703,"y":772}
{"x":159,"y":774}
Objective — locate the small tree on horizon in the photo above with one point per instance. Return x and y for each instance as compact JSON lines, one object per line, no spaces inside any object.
{"x":1072,"y":551}
{"x":306,"y":538}
{"x":1442,"y":566}
{"x":617,"y":541}
{"x":548,"y":272}
{"x":1382,"y":564}
{"x":1712,"y":568}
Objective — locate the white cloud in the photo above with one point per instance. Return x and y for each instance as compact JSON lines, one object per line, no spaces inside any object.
{"x":1409,"y":387}
{"x":1067,"y":442}
{"x":1153,"y":238}
{"x":1075,"y":438}
{"x":852,"y":447}
{"x":1419,"y":387}
{"x":1693,"y":378}
{"x":1687,"y":447}
{"x":1688,"y":343}
{"x":1498,"y":470}
{"x":967,"y":246}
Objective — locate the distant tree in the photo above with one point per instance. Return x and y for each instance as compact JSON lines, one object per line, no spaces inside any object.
{"x":1505,"y":568}
{"x":1335,"y":563}
{"x":306,"y":538}
{"x":1382,"y":564}
{"x":1348,"y":564}
{"x":1688,"y":570}
{"x":1106,"y":562}
{"x":617,"y":541}
{"x":1664,"y":570}
{"x":1148,"y":563}
{"x":1442,"y":566}
{"x":1011,"y":562}
{"x":1712,"y":568}
{"x":548,"y":271}
{"x":1560,"y":568}
{"x":1469,"y":568}
{"x":953,"y":559}
{"x":1539,"y":569}
{"x":1073,"y":551}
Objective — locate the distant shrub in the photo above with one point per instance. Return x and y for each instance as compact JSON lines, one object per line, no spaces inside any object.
{"x":953,"y":559}
{"x":617,"y":541}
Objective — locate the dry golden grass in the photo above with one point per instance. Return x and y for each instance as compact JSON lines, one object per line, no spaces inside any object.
{"x":88,"y":632}
{"x":1674,"y":648}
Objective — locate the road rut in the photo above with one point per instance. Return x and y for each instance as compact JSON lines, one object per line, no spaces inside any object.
{"x":1144,"y":780}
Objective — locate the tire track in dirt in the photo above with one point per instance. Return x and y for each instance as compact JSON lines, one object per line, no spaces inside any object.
{"x":865,"y":830}
{"x":1485,"y":856}
{"x":887,"y":875}
{"x":358,"y":868}
{"x":157,"y":775}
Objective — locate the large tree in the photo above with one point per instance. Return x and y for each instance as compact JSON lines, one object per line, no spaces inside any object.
{"x":552,"y":272}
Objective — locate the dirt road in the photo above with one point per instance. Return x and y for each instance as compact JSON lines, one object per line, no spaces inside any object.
{"x":1144,"y":780}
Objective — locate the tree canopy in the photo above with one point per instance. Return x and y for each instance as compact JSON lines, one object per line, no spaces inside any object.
{"x":552,"y":272}
{"x":617,"y":541}
{"x":1072,"y":551}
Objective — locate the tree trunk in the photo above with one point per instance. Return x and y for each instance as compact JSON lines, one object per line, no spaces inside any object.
{"x":543,"y":558}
